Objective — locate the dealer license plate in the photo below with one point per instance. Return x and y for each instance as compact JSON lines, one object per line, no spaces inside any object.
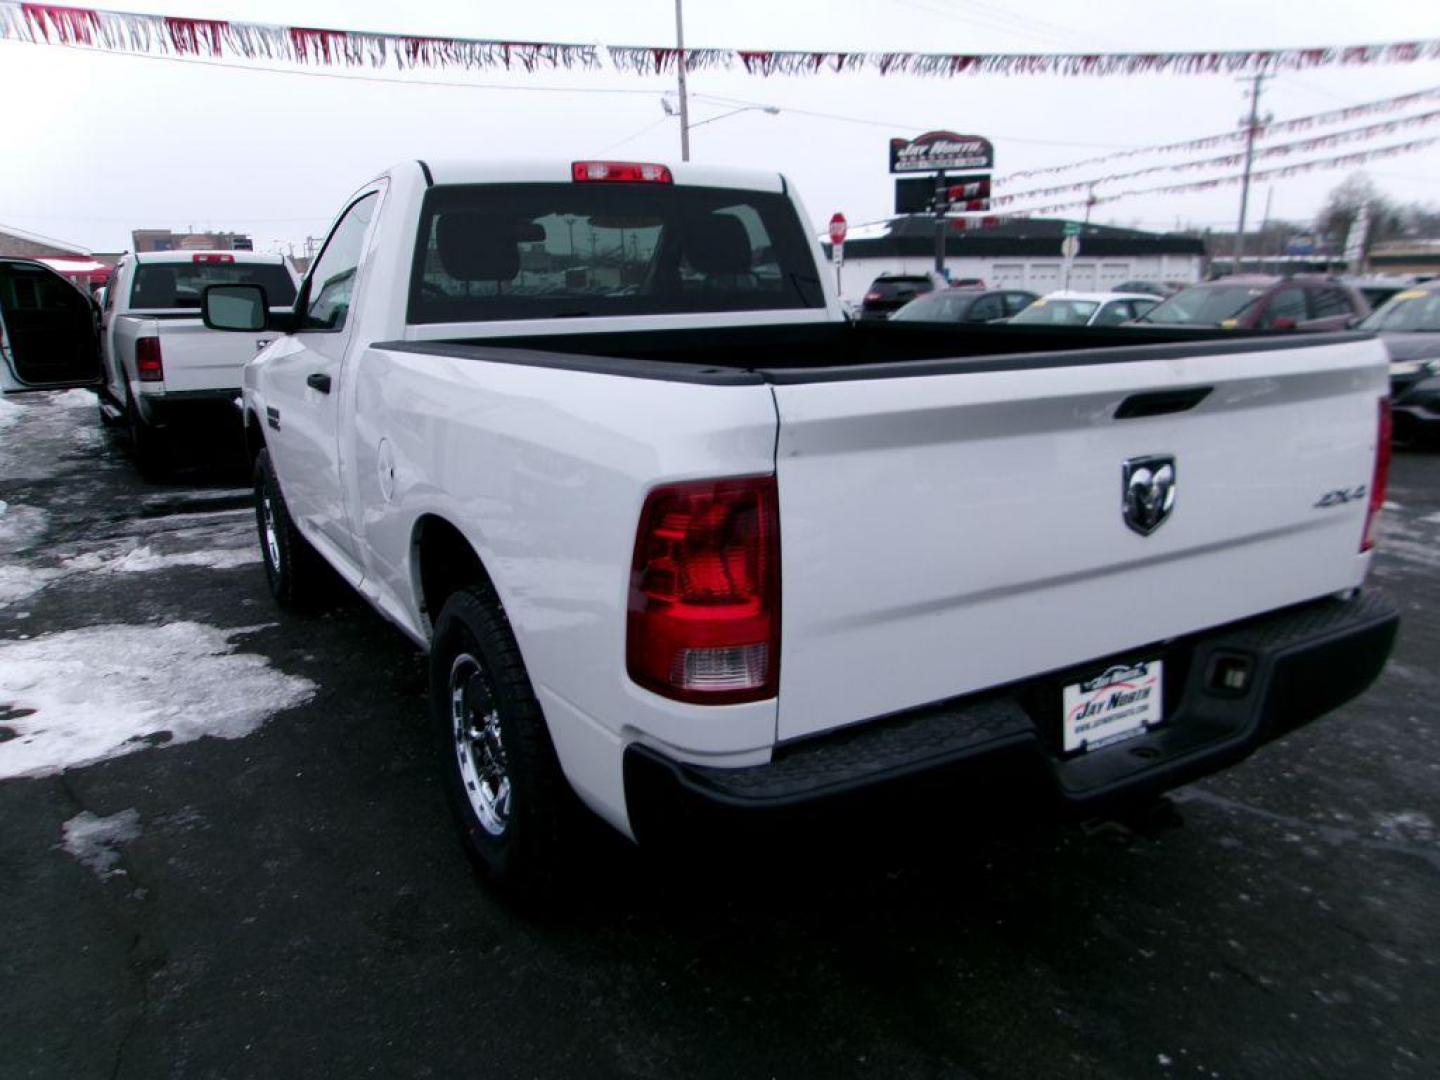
{"x":1119,"y":703}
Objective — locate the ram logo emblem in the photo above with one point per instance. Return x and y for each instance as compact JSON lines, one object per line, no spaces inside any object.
{"x":1148,"y":492}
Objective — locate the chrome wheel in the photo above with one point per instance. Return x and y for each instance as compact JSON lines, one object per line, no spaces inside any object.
{"x":272,"y":538}
{"x":475,"y":726}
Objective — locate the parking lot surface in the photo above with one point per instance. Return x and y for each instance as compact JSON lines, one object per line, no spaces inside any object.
{"x":226,"y":853}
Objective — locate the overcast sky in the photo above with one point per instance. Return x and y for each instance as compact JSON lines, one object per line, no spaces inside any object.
{"x":98,"y":144}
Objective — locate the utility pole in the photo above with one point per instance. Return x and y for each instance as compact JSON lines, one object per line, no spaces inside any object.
{"x":1252,"y":124}
{"x":1265,"y":224}
{"x":680,"y":72}
{"x":1089,"y":202}
{"x":942,"y":202}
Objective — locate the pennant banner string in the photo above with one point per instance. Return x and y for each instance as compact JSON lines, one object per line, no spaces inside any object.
{"x":1301,"y":146}
{"x":1283,"y":127}
{"x":166,"y":35}
{"x":1359,"y":157}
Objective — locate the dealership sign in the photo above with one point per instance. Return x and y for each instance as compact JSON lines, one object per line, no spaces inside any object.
{"x":936,"y":151}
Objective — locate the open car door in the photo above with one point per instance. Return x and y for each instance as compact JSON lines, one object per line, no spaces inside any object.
{"x":49,"y":336}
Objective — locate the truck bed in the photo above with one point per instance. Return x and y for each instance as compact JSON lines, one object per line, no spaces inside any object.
{"x":830,"y":351}
{"x":951,"y":497}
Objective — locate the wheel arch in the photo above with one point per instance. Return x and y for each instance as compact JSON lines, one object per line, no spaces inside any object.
{"x":442,"y":561}
{"x":254,"y":436}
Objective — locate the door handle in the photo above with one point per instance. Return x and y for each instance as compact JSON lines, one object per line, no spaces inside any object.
{"x":318,"y":381}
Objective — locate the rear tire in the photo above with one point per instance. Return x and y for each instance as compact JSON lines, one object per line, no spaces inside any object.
{"x":297,"y":574}
{"x":515,"y":809}
{"x":146,"y":441}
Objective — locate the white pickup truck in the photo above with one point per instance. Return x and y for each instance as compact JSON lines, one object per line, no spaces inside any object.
{"x":677,"y":535}
{"x":162,"y":367}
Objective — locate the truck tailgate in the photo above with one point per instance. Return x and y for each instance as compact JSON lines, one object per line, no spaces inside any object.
{"x":945,"y":533}
{"x":199,"y":359}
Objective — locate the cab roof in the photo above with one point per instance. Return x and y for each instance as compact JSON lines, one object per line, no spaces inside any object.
{"x":559,"y":171}
{"x":1099,"y":297}
{"x":187,"y":255}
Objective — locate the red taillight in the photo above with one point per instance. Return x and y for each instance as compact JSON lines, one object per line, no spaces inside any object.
{"x":213,"y":258}
{"x":874,"y":296}
{"x":1381,"y":480}
{"x":620,"y":172}
{"x":148,"y":363}
{"x":704,"y":622}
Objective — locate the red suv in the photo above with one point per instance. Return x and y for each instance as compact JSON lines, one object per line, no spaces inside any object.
{"x":1260,"y":302}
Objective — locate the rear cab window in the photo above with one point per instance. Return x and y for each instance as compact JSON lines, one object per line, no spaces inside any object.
{"x":533,"y":251}
{"x":159,"y":286}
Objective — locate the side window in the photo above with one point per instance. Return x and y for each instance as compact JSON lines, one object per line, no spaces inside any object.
{"x":1140,"y":307}
{"x":985,"y":309}
{"x":1016,"y":302}
{"x":332,"y":278}
{"x":1112,"y":314}
{"x":1288,"y":303}
{"x":1329,"y":303}
{"x":31,"y":289}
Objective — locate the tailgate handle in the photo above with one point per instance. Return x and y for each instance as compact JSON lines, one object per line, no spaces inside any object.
{"x":1161,"y":402}
{"x":319,"y":381}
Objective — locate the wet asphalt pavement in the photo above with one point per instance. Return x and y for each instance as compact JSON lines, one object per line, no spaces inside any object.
{"x":293,"y":902}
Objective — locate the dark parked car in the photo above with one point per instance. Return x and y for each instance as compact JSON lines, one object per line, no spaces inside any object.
{"x":965,"y":305}
{"x":888,"y":293}
{"x":1263,"y":302}
{"x":1410,"y":327}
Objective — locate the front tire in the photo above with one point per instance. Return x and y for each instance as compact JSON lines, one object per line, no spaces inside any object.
{"x":513,"y":805}
{"x":295,"y":571}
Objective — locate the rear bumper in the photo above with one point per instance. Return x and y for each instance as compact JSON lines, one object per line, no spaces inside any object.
{"x":1303,"y":662}
{"x":1416,"y":410}
{"x":189,"y":407}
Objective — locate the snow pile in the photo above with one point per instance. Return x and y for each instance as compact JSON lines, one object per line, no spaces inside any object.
{"x":20,"y":526}
{"x":94,"y":841}
{"x":76,"y":399}
{"x":143,"y":558}
{"x":105,"y":691}
{"x":19,"y":582}
{"x":9,"y":413}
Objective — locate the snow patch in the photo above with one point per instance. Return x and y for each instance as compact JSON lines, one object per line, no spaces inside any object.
{"x":104,"y":691}
{"x":144,"y":558}
{"x":9,"y":413}
{"x":20,"y":582}
{"x":1431,"y":519}
{"x":76,"y":399}
{"x":1408,"y":826}
{"x":20,"y":526}
{"x":94,"y":842}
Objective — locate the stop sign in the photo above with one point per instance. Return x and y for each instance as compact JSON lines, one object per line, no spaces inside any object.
{"x":838,"y":228}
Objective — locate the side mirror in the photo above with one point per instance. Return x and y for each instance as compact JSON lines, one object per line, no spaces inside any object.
{"x":1284,"y":322}
{"x":234,"y":307}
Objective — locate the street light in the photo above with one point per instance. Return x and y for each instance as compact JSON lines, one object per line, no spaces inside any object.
{"x":772,"y":110}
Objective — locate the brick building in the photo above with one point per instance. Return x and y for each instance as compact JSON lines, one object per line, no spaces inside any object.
{"x":165,"y":240}
{"x":27,"y":245}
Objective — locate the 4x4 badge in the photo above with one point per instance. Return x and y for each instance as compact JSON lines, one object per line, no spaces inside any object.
{"x":1148,"y":492}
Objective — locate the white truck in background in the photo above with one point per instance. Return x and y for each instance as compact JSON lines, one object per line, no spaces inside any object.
{"x":162,"y":368}
{"x":676,"y":535}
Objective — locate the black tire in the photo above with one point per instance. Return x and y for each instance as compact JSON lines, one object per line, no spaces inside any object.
{"x":146,"y":442}
{"x":298,"y":576}
{"x":527,"y":856}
